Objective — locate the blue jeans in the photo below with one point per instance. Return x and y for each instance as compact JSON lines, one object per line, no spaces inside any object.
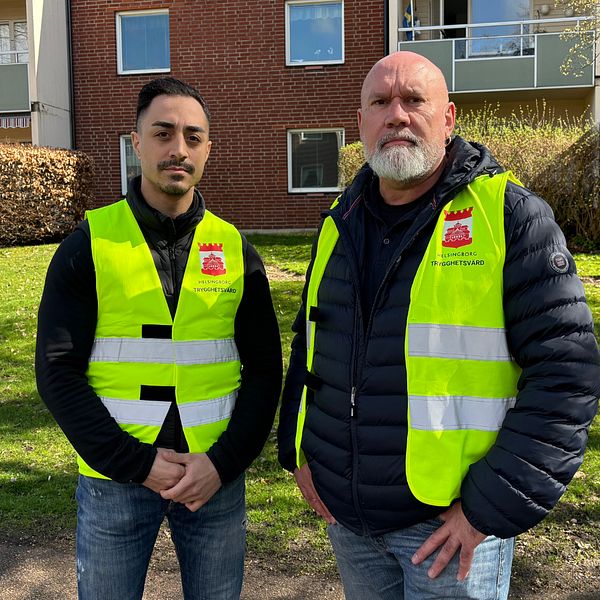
{"x":379,"y":568}
{"x":117,"y":525}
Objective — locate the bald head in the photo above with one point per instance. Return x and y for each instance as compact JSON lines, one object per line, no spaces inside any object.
{"x":401,"y":65}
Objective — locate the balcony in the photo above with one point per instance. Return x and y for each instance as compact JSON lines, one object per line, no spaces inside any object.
{"x":13,"y":82}
{"x":509,"y":55}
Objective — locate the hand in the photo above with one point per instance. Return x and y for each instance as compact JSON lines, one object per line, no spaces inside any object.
{"x":199,"y":484}
{"x":456,"y":533}
{"x":307,"y":487}
{"x":163,"y":474}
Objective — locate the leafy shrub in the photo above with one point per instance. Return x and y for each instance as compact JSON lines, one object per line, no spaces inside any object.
{"x":43,"y":193}
{"x":557,"y":158}
{"x":351,"y":159}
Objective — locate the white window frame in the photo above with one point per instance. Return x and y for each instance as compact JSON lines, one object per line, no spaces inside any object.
{"x":304,"y":63}
{"x":340,"y":131}
{"x":13,"y":53}
{"x":123,"y":160}
{"x":133,"y":13}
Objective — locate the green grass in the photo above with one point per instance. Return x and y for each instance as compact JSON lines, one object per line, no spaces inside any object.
{"x":37,"y":465}
{"x":287,"y":252}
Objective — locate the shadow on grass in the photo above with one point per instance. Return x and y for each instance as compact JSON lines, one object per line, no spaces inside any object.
{"x":36,"y":500}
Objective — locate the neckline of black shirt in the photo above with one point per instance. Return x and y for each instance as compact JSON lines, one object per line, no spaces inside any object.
{"x":392,"y":215}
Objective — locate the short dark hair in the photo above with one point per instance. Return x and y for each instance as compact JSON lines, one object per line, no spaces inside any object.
{"x":167,"y":86}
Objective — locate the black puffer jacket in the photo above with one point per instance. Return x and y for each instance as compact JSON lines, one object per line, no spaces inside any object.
{"x":357,"y":462}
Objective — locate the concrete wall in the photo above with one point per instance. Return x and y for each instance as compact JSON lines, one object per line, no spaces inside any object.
{"x":49,"y":73}
{"x":234,"y":53}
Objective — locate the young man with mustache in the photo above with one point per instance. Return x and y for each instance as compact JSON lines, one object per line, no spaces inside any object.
{"x":444,"y":371}
{"x":158,"y":353}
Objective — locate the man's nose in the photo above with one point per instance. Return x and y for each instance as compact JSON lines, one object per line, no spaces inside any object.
{"x":396,"y":114}
{"x":178,"y":148}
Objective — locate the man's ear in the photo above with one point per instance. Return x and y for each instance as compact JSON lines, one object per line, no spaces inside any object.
{"x":135,"y":143}
{"x":450,"y":118}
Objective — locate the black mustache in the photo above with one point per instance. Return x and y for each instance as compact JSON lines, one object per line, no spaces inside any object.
{"x":165,"y":164}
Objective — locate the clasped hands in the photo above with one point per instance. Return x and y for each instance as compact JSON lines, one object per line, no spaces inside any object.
{"x":455,"y":535}
{"x":190,"y":479}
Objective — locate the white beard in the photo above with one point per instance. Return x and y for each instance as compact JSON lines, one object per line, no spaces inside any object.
{"x":404,"y":164}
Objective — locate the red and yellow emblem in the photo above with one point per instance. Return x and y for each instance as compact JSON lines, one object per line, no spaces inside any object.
{"x":458,"y":228}
{"x":212,"y":259}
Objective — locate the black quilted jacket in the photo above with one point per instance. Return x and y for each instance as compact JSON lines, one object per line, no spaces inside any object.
{"x":357,"y":462}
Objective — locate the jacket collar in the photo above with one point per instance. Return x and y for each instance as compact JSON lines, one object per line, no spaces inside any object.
{"x":153,"y":220}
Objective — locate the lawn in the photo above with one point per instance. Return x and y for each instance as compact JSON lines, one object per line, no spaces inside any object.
{"x":37,"y":465}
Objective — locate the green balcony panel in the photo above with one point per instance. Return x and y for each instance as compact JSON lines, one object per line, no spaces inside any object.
{"x":439,"y":52}
{"x":494,"y":74}
{"x":15,"y":88}
{"x":551,"y":52}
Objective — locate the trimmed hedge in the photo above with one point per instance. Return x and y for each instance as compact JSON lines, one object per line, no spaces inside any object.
{"x":43,"y":193}
{"x":557,"y":159}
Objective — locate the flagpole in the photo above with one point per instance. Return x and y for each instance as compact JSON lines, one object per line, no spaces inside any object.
{"x":412,"y":19}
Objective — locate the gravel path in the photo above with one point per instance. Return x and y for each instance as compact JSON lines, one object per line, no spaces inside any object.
{"x":30,"y":570}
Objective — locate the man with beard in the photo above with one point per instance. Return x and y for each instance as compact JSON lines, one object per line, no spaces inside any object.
{"x":158,"y":353}
{"x":444,"y":371}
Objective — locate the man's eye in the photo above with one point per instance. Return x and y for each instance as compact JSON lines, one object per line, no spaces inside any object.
{"x":379,"y":102}
{"x":194,"y":139}
{"x":162,"y":134}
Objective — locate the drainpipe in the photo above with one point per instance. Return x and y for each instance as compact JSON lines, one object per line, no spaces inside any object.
{"x":70,"y":63}
{"x":386,"y":27}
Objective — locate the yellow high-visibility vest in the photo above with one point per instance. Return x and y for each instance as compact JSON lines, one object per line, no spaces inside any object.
{"x":461,"y":378}
{"x":198,"y":362}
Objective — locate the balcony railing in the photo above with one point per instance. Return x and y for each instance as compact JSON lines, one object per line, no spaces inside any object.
{"x":501,"y":56}
{"x":12,"y":57}
{"x":481,"y":32}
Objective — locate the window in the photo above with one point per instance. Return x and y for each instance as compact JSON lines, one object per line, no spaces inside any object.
{"x":13,"y":42}
{"x":499,"y":41}
{"x":313,"y":158}
{"x":143,"y":42}
{"x":314,"y":32}
{"x":130,"y":164}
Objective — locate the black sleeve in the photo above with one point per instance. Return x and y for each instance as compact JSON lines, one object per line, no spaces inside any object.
{"x":66,"y":328}
{"x":259,"y":346}
{"x":551,"y":336}
{"x":294,"y":383}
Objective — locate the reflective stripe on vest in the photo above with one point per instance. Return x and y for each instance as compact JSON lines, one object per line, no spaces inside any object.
{"x":443,"y":413}
{"x":153,"y":412}
{"x":461,"y":378}
{"x":456,"y":341}
{"x":199,"y":365}
{"x":163,"y":351}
